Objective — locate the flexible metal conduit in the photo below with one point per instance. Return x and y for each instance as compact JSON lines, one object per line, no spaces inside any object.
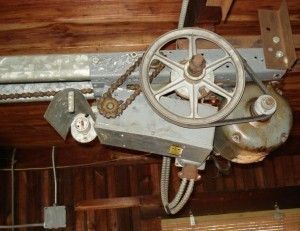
{"x":54,"y":175}
{"x":184,"y":199}
{"x":184,"y":6}
{"x":13,"y":188}
{"x":181,"y":196}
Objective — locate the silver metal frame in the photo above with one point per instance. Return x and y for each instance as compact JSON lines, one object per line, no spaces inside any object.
{"x":20,"y":74}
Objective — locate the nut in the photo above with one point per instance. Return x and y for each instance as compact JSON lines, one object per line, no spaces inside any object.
{"x":196,"y":65}
{"x":279,"y":54}
{"x":276,"y":39}
{"x":236,"y":137}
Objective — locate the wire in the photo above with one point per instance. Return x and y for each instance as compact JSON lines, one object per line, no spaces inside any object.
{"x":182,"y":15}
{"x":76,"y":165}
{"x":54,"y":175}
{"x":13,"y":188}
{"x":21,"y":226}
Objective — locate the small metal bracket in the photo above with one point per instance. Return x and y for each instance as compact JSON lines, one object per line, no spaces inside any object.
{"x":58,"y":114}
{"x":277,"y":37}
{"x":278,"y":214}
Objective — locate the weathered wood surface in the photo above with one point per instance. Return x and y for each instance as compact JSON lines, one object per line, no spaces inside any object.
{"x":54,"y":26}
{"x":246,"y":188}
{"x":288,"y":219}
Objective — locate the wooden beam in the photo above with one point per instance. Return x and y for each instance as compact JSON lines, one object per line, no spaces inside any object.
{"x":275,"y":24}
{"x":108,"y":203}
{"x":287,"y":219}
{"x":227,"y":202}
{"x":199,"y":13}
{"x":224,"y":4}
{"x":203,"y":203}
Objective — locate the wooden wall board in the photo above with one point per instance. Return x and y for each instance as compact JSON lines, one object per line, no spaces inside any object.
{"x":80,"y":26}
{"x":35,"y":190}
{"x":92,"y":26}
{"x":287,"y":219}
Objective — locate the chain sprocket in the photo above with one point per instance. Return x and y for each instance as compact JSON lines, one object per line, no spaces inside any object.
{"x":110,"y":107}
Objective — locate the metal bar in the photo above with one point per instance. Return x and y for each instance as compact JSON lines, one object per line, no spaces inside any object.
{"x":13,"y":188}
{"x":54,"y":175}
{"x":106,"y":67}
{"x":21,"y":226}
{"x":182,"y":16}
{"x":44,"y":68}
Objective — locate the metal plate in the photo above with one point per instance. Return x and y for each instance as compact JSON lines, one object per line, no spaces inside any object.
{"x":43,"y":72}
{"x":140,"y":128}
{"x":54,"y":217}
{"x":57,"y":113}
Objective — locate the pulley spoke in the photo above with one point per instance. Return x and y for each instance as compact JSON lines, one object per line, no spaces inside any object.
{"x":193,"y":97}
{"x":217,"y":89}
{"x":169,"y":88}
{"x":218,"y":63}
{"x":170,"y":63}
{"x":192,"y":46}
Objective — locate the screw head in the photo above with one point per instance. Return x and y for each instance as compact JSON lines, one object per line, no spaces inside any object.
{"x":276,"y":39}
{"x":284,"y":137}
{"x":236,"y":137}
{"x":279,"y":54}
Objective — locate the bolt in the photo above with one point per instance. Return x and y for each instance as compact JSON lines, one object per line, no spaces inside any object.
{"x":155,"y":64}
{"x":196,"y":65}
{"x":95,"y":60}
{"x":279,"y":54}
{"x":284,"y":137}
{"x":236,"y":138}
{"x":203,"y":92}
{"x":270,"y":49}
{"x":268,"y":102}
{"x":276,"y":39}
{"x":110,"y":106}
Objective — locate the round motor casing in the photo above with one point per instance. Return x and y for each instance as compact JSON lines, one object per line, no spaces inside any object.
{"x":251,"y":142}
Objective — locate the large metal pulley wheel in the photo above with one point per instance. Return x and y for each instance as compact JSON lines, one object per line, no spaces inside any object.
{"x":193,"y":75}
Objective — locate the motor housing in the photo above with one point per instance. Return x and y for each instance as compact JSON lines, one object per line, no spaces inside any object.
{"x":251,"y":142}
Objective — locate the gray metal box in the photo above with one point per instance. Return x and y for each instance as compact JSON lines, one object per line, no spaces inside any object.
{"x":54,"y":217}
{"x":140,"y":128}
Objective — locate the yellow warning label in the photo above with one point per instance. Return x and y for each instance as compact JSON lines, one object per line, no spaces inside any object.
{"x":175,"y":150}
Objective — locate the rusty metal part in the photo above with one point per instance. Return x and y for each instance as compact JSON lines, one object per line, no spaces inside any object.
{"x":25,"y":95}
{"x":189,"y":172}
{"x":110,"y":107}
{"x":251,"y":142}
{"x":196,"y":65}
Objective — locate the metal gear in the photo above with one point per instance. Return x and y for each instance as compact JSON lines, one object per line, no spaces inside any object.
{"x":108,"y":106}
